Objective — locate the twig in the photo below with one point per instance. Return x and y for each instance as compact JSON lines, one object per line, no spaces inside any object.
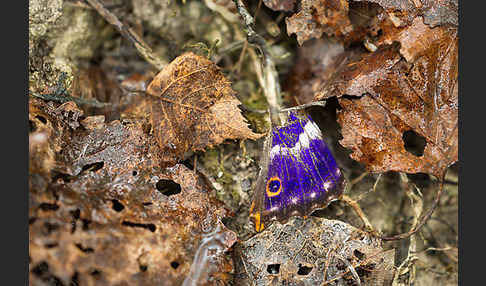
{"x":271,"y":84}
{"x":66,"y":98}
{"x":61,"y":95}
{"x":143,"y":49}
{"x":357,"y":209}
{"x":352,"y":270}
{"x":424,"y":219}
{"x":361,"y":196}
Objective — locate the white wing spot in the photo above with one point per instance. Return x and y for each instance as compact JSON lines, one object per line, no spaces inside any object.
{"x":312,"y":130}
{"x":327,"y":185}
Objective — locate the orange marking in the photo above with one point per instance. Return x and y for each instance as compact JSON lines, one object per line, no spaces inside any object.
{"x":270,"y":193}
{"x":258,"y":226}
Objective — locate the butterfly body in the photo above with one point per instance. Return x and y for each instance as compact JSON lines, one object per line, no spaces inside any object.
{"x":298,"y":175}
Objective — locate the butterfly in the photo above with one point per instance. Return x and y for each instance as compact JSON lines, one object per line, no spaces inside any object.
{"x":298,"y":173}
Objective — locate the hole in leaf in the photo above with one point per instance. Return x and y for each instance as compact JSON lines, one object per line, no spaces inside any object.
{"x":304,"y":270}
{"x":149,"y":226}
{"x":74,"y":279}
{"x":273,"y":268}
{"x":32,"y":220}
{"x":134,"y":173}
{"x":86,"y":223}
{"x":49,"y":228}
{"x":93,"y":167}
{"x":75,"y":214}
{"x":40,"y":269}
{"x":51,"y":245}
{"x":168,"y":187}
{"x":351,"y":97}
{"x":147,"y":204}
{"x":95,"y":272}
{"x":41,"y":119}
{"x":143,"y":268}
{"x":84,"y":249}
{"x":174,"y":264}
{"x":32,"y":126}
{"x":117,"y":206}
{"x":360,"y":255}
{"x":48,"y":207}
{"x":414,"y":143}
{"x":60,"y":176}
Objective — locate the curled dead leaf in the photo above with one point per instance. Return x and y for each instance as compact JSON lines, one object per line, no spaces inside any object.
{"x":396,"y":97}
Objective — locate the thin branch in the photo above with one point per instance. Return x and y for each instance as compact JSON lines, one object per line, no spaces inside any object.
{"x":424,"y":219}
{"x":357,"y":209}
{"x":143,"y":49}
{"x":61,"y":95}
{"x":66,"y":98}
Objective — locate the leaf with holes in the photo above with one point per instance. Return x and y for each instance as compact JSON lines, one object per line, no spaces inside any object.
{"x":50,"y":128}
{"x":132,"y":229}
{"x":395,"y":96}
{"x":102,"y":211}
{"x":312,"y":251}
{"x":194,"y":107}
{"x":435,"y":12}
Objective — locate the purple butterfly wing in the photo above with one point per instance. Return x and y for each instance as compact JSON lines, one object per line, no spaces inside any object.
{"x":299,"y":173}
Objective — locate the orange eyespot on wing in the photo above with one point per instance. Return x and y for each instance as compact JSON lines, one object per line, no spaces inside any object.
{"x":274,"y":187}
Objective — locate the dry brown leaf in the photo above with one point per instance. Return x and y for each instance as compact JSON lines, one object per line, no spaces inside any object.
{"x":103,"y":212}
{"x":398,"y":97}
{"x":94,"y":230}
{"x":122,"y":233}
{"x":194,"y":107}
{"x":317,"y":17}
{"x":51,"y":126}
{"x":435,"y":12}
{"x":317,"y":61}
{"x":416,"y":39}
